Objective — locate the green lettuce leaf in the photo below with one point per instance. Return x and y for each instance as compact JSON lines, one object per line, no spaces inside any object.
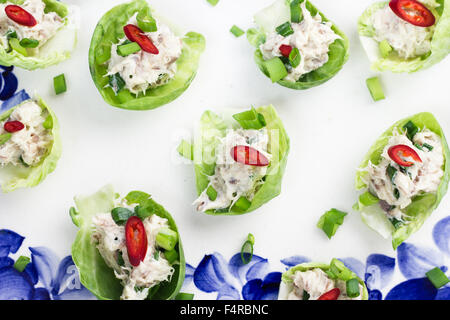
{"x":422,"y":205}
{"x":56,"y":49}
{"x":440,"y":43}
{"x":108,"y":31}
{"x":14,"y":177}
{"x":95,"y":275}
{"x":287,"y":282}
{"x":270,"y":17}
{"x":213,"y":127}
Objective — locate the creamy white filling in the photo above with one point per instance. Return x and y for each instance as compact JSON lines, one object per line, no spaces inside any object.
{"x":30,"y":143}
{"x":137,"y":281}
{"x":311,"y":37}
{"x":47,"y":23}
{"x":231,"y":179}
{"x":143,"y":70}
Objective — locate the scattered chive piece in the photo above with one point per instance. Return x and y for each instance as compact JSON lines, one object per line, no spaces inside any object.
{"x":145,"y":21}
{"x":59,"y":83}
{"x":385,"y":48}
{"x":186,"y":150}
{"x":5,"y":137}
{"x":211,"y":193}
{"x":29,"y":43}
{"x":429,"y":147}
{"x":296,"y":11}
{"x":15,"y":45}
{"x":167,"y":238}
{"x":284,"y":29}
{"x":121,"y":215}
{"x":247,"y":249}
{"x":437,"y":277}
{"x":374,"y":86}
{"x":367,"y":199}
{"x":184,"y":296}
{"x":242,"y":204}
{"x":48,"y":123}
{"x":396,"y":223}
{"x":330,"y":221}
{"x":294,"y":58}
{"x":276,"y":69}
{"x":250,"y":119}
{"x":352,"y":288}
{"x":237,"y":31}
{"x":116,"y":82}
{"x":213,"y":2}
{"x":411,"y":129}
{"x":305,"y":295}
{"x":21,"y":263}
{"x":127,"y":49}
{"x":171,"y":256}
{"x":338,"y":270}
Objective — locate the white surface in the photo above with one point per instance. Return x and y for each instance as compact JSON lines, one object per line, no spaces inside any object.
{"x":331,"y":127}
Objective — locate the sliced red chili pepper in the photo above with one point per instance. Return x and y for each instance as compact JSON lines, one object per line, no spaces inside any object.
{"x":285,"y":50}
{"x":333,"y":294}
{"x":20,"y":15}
{"x":136,"y":240}
{"x":13,"y":126}
{"x":401,"y":152}
{"x":413,"y":12}
{"x":135,"y":34}
{"x":249,"y":156}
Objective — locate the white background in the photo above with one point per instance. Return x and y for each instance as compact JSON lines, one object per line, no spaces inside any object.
{"x":331,"y":127}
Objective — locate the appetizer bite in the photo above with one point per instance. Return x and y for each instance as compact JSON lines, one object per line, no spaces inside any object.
{"x":239,"y":160}
{"x":138,"y":62}
{"x":405,"y":35}
{"x":296,"y":45}
{"x":30,"y":145}
{"x":404,"y":177}
{"x":36,"y":33}
{"x":318,"y":281}
{"x":127,"y":248}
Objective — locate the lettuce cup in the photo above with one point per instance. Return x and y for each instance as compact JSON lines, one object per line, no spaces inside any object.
{"x":127,"y":248}
{"x":139,"y":62}
{"x":296,"y":45}
{"x":36,"y":33}
{"x":318,"y":281}
{"x":30,"y":145}
{"x":403,"y":177}
{"x":239,"y":160}
{"x":405,"y":35}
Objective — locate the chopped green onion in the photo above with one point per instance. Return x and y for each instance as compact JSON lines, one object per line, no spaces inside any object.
{"x":338,"y":270}
{"x":352,"y":288}
{"x":396,"y":193}
{"x":21,"y":263}
{"x":392,"y":173}
{"x":142,"y":212}
{"x":48,"y":123}
{"x":396,"y":223}
{"x":385,"y":48}
{"x":156,"y":255}
{"x":15,"y":45}
{"x":167,"y":238}
{"x":296,"y":11}
{"x":184,"y":296}
{"x":127,"y":49}
{"x":284,"y":29}
{"x":11,"y":34}
{"x":145,"y":21}
{"x":374,"y":86}
{"x":411,"y":129}
{"x":121,"y":215}
{"x":305,"y":295}
{"x":59,"y":83}
{"x":294,"y":58}
{"x":242,"y":204}
{"x":29,"y":43}
{"x":120,"y":260}
{"x":211,"y":193}
{"x":251,"y":238}
{"x":186,"y":150}
{"x":330,"y":221}
{"x":429,"y":147}
{"x":171,"y":256}
{"x":437,"y":277}
{"x":116,"y":82}
{"x":250,"y":119}
{"x":5,"y":137}
{"x":237,"y":31}
{"x":276,"y":69}
{"x":367,"y":199}
{"x":247,"y":249}
{"x":213,"y":2}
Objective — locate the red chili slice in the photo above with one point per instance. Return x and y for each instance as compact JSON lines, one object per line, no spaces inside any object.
{"x":249,"y":156}
{"x":399,"y":152}
{"x":135,"y":34}
{"x":13,"y":126}
{"x":285,"y":50}
{"x":20,"y":15}
{"x":333,"y":294}
{"x":413,"y":12}
{"x":136,"y":240}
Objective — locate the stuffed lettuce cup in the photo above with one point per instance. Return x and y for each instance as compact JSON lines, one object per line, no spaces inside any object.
{"x":36,"y":33}
{"x":239,"y":160}
{"x":405,"y":35}
{"x":127,"y":248}
{"x":404,"y":176}
{"x":138,"y":61}
{"x":318,"y":281}
{"x":296,"y":45}
{"x":30,"y":145}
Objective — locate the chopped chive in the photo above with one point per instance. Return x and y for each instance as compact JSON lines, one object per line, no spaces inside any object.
{"x":429,"y":147}
{"x":247,"y":249}
{"x":284,"y":29}
{"x":120,"y":260}
{"x":171,"y":256}
{"x":367,"y":199}
{"x":296,"y":11}
{"x":59,"y":83}
{"x":156,"y":255}
{"x":418,"y":146}
{"x":21,"y":263}
{"x":339,"y":271}
{"x":330,"y":221}
{"x":411,"y":129}
{"x":211,"y":193}
{"x":294,"y":57}
{"x":276,"y":69}
{"x":116,"y":82}
{"x":396,"y":223}
{"x":437,"y":277}
{"x":48,"y":123}
{"x":186,"y":150}
{"x":385,"y":48}
{"x":396,"y":193}
{"x":251,"y":238}
{"x":145,"y":21}
{"x":237,"y":31}
{"x":184,"y":296}
{"x":374,"y":86}
{"x":352,"y":288}
{"x":127,"y":49}
{"x":15,"y":45}
{"x":242,"y":204}
{"x":29,"y":43}
{"x":213,"y":2}
{"x":392,"y":173}
{"x":121,"y":215}
{"x":5,"y":137}
{"x":167,"y":238}
{"x":11,"y":34}
{"x":305,"y":295}
{"x":250,"y":119}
